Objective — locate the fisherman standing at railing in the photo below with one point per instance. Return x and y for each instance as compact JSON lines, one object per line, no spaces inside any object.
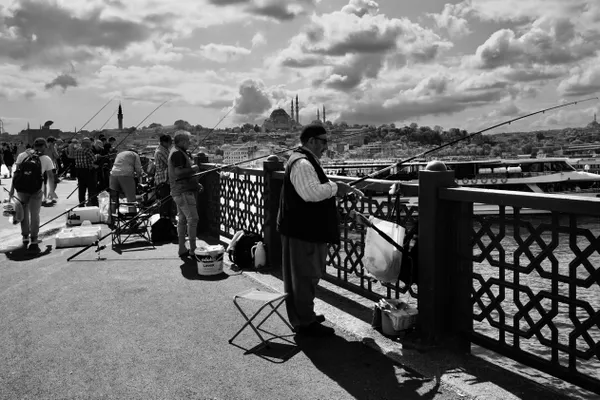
{"x":87,"y":178}
{"x":184,"y":190}
{"x":307,"y":221}
{"x":161,"y":177}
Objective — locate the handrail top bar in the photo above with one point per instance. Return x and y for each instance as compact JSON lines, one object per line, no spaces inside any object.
{"x":563,"y":203}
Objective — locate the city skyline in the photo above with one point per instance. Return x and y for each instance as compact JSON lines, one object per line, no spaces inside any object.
{"x":465,"y":64}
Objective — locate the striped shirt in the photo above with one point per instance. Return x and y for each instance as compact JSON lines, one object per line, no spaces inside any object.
{"x":84,"y":158}
{"x":161,"y":160}
{"x":307,"y":183}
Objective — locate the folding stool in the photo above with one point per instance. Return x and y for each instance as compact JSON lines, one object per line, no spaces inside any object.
{"x":272,"y":300}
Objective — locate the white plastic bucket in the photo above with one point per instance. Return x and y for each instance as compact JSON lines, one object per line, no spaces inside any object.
{"x":210,"y":259}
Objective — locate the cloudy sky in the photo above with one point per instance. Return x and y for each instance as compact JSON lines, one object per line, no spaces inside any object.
{"x":466,"y":64}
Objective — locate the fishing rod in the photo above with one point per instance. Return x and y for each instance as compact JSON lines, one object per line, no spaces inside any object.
{"x":109,"y":118}
{"x":212,"y":130}
{"x":424,"y":153}
{"x":63,"y":173}
{"x":158,"y":202}
{"x":90,"y":120}
{"x":197,"y":174}
{"x":96,"y":195}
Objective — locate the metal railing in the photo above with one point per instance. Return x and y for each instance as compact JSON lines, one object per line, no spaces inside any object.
{"x":524,"y":286}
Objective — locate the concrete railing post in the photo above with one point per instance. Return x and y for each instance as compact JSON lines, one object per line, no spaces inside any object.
{"x":445,"y":310}
{"x":208,"y":201}
{"x":271,"y":193}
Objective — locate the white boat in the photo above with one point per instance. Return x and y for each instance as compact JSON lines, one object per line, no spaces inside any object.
{"x":537,"y":175}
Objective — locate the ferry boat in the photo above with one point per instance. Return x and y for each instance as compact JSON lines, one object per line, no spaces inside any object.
{"x":537,"y":175}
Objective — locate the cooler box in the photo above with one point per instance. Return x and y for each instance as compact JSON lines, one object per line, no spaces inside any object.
{"x":210,"y":259}
{"x":77,"y":215}
{"x":78,"y":236}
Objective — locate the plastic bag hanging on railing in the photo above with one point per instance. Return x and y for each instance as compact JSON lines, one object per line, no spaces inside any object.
{"x":381,"y":259}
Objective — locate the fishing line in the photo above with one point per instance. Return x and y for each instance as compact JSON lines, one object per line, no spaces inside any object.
{"x":158,"y":202}
{"x":96,"y":195}
{"x":212,"y":130}
{"x":424,"y":153}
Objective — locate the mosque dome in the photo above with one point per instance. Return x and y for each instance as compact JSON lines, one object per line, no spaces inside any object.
{"x":279,"y":113}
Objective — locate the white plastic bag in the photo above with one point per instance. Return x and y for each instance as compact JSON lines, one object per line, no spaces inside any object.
{"x":381,"y":259}
{"x":104,"y":205}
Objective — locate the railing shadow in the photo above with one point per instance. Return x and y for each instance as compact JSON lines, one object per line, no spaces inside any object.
{"x":365,"y":373}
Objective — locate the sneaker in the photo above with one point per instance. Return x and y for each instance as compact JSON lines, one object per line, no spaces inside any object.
{"x":316,"y":330}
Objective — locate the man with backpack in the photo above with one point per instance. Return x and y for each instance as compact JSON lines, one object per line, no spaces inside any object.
{"x":32,"y":167}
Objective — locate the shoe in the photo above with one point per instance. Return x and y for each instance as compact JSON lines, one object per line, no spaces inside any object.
{"x":320,"y":318}
{"x":34,"y":248}
{"x":187,"y":253}
{"x":316,"y":330}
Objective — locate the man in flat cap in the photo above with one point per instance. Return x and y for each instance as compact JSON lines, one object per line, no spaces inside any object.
{"x":307,"y":221}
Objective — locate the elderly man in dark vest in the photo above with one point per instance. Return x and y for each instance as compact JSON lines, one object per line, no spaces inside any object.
{"x":307,"y":221}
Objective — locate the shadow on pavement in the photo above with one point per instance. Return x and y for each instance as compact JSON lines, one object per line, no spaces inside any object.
{"x":365,"y":373}
{"x":189,"y":270}
{"x":23,"y":254}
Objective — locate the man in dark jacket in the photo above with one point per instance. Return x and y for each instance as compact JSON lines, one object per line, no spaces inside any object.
{"x":307,"y":221}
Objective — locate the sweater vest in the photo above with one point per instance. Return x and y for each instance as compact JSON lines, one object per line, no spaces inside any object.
{"x":309,"y":221}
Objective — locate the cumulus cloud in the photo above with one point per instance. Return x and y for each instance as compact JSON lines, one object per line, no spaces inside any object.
{"x":258,"y":39}
{"x":271,"y":9}
{"x":582,"y":81}
{"x":547,"y":42}
{"x":45,"y":33}
{"x":64,"y":81}
{"x":348,"y":75}
{"x":451,"y":19}
{"x":252,"y":99}
{"x":349,"y":47}
{"x":223,"y":53}
{"x":361,"y":7}
{"x":399,"y":109}
{"x":505,"y":110}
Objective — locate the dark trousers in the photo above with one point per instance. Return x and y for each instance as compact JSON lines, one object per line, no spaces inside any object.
{"x":303,"y":264}
{"x":163,"y":193}
{"x":87,"y":181}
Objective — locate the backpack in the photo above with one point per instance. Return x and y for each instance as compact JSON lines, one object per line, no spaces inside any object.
{"x":240,"y":249}
{"x":28,"y":175}
{"x":162,"y":231}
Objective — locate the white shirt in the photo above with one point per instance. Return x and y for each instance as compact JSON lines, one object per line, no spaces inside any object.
{"x":47,"y":164}
{"x":306,"y":181}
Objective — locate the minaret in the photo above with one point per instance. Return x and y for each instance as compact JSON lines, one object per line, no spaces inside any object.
{"x":324,"y":119}
{"x":120,"y":117}
{"x":292,"y":115}
{"x":318,"y":115}
{"x":297,"y":111}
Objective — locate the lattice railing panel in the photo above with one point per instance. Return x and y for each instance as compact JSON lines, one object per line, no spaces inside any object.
{"x":242,"y":203}
{"x":344,"y":262}
{"x":536,"y":290}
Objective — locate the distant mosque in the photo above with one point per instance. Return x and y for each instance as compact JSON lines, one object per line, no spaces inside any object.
{"x":281,"y":120}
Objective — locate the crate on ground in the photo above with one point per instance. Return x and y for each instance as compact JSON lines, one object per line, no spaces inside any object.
{"x":83,"y":235}
{"x":77,"y":215}
{"x":396,"y":316}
